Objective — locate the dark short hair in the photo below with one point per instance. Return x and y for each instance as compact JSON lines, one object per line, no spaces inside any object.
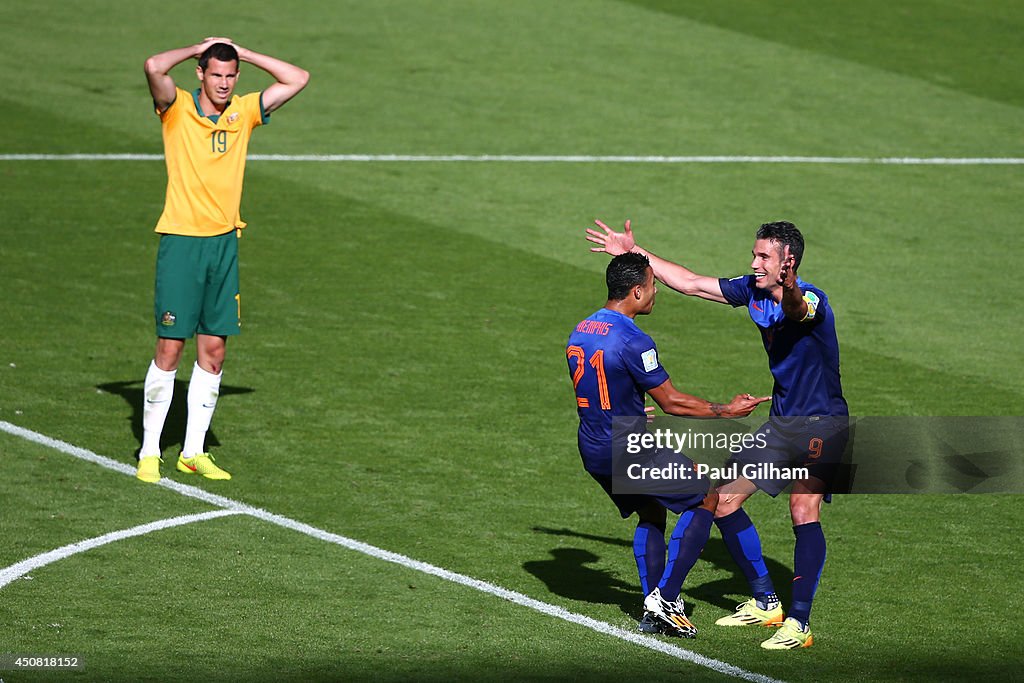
{"x":784,"y":233}
{"x":625,"y":272}
{"x":222,"y":52}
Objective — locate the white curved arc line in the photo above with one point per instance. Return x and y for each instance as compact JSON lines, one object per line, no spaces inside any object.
{"x":19,"y":569}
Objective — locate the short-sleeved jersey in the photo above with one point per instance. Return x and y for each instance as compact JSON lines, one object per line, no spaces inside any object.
{"x":205,"y":157}
{"x":612,"y":363}
{"x":803,"y":356}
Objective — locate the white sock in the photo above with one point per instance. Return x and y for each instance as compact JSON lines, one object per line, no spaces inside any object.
{"x":203,"y":389}
{"x":156,"y":401}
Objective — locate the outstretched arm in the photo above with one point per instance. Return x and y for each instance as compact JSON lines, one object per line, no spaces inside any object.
{"x":672,"y":274}
{"x":290,"y":78}
{"x":675,"y":402}
{"x":158,"y":68}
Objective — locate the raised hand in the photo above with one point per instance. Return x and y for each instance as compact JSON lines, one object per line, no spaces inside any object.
{"x":611,"y":242}
{"x":787,"y":276}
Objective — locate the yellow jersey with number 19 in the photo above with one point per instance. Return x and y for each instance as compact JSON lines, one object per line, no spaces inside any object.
{"x":205,"y":159}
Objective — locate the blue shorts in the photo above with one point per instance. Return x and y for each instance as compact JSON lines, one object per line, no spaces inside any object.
{"x":628,"y":503}
{"x":630,"y":495}
{"x":611,"y":466}
{"x":816,"y":444}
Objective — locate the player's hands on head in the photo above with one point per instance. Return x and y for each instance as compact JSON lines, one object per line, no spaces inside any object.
{"x":611,"y":242}
{"x":208,"y":41}
{"x":742,"y":405}
{"x":787,"y":275}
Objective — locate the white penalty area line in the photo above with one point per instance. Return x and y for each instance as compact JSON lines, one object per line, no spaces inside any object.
{"x":552,"y":159}
{"x":235,"y":507}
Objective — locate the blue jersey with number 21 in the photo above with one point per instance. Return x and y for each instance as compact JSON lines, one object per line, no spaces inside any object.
{"x":612,"y":363}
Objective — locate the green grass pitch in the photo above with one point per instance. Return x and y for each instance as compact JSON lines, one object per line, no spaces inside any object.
{"x":400,"y":379}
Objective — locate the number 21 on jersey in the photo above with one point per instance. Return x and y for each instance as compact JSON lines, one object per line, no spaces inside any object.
{"x":596,"y":361}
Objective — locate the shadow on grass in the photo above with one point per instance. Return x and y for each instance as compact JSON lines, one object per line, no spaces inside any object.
{"x":566,"y":575}
{"x":174,"y":428}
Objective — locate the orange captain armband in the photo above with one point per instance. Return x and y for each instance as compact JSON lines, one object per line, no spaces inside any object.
{"x":812,"y":300}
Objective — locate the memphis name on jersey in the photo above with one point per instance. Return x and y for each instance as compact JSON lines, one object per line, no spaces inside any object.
{"x":802,"y":355}
{"x":612,"y":363}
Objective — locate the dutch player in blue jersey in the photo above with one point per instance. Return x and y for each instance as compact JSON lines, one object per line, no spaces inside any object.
{"x":612,"y":364}
{"x":809,"y":416}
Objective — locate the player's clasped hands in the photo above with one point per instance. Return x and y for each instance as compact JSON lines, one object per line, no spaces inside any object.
{"x":211,"y":40}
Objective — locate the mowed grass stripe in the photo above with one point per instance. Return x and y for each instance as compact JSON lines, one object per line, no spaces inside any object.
{"x":556,"y":159}
{"x":235,"y":507}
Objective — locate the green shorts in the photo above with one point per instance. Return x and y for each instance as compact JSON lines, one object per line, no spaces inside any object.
{"x":197,"y":286}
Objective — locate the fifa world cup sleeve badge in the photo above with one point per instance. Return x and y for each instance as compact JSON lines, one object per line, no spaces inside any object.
{"x":812,"y":301}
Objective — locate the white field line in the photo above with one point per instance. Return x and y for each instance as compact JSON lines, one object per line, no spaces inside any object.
{"x":232,"y":506}
{"x":552,"y":159}
{"x":16,"y":571}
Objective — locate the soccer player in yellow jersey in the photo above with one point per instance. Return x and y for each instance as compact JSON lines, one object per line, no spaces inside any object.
{"x":206,"y":134}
